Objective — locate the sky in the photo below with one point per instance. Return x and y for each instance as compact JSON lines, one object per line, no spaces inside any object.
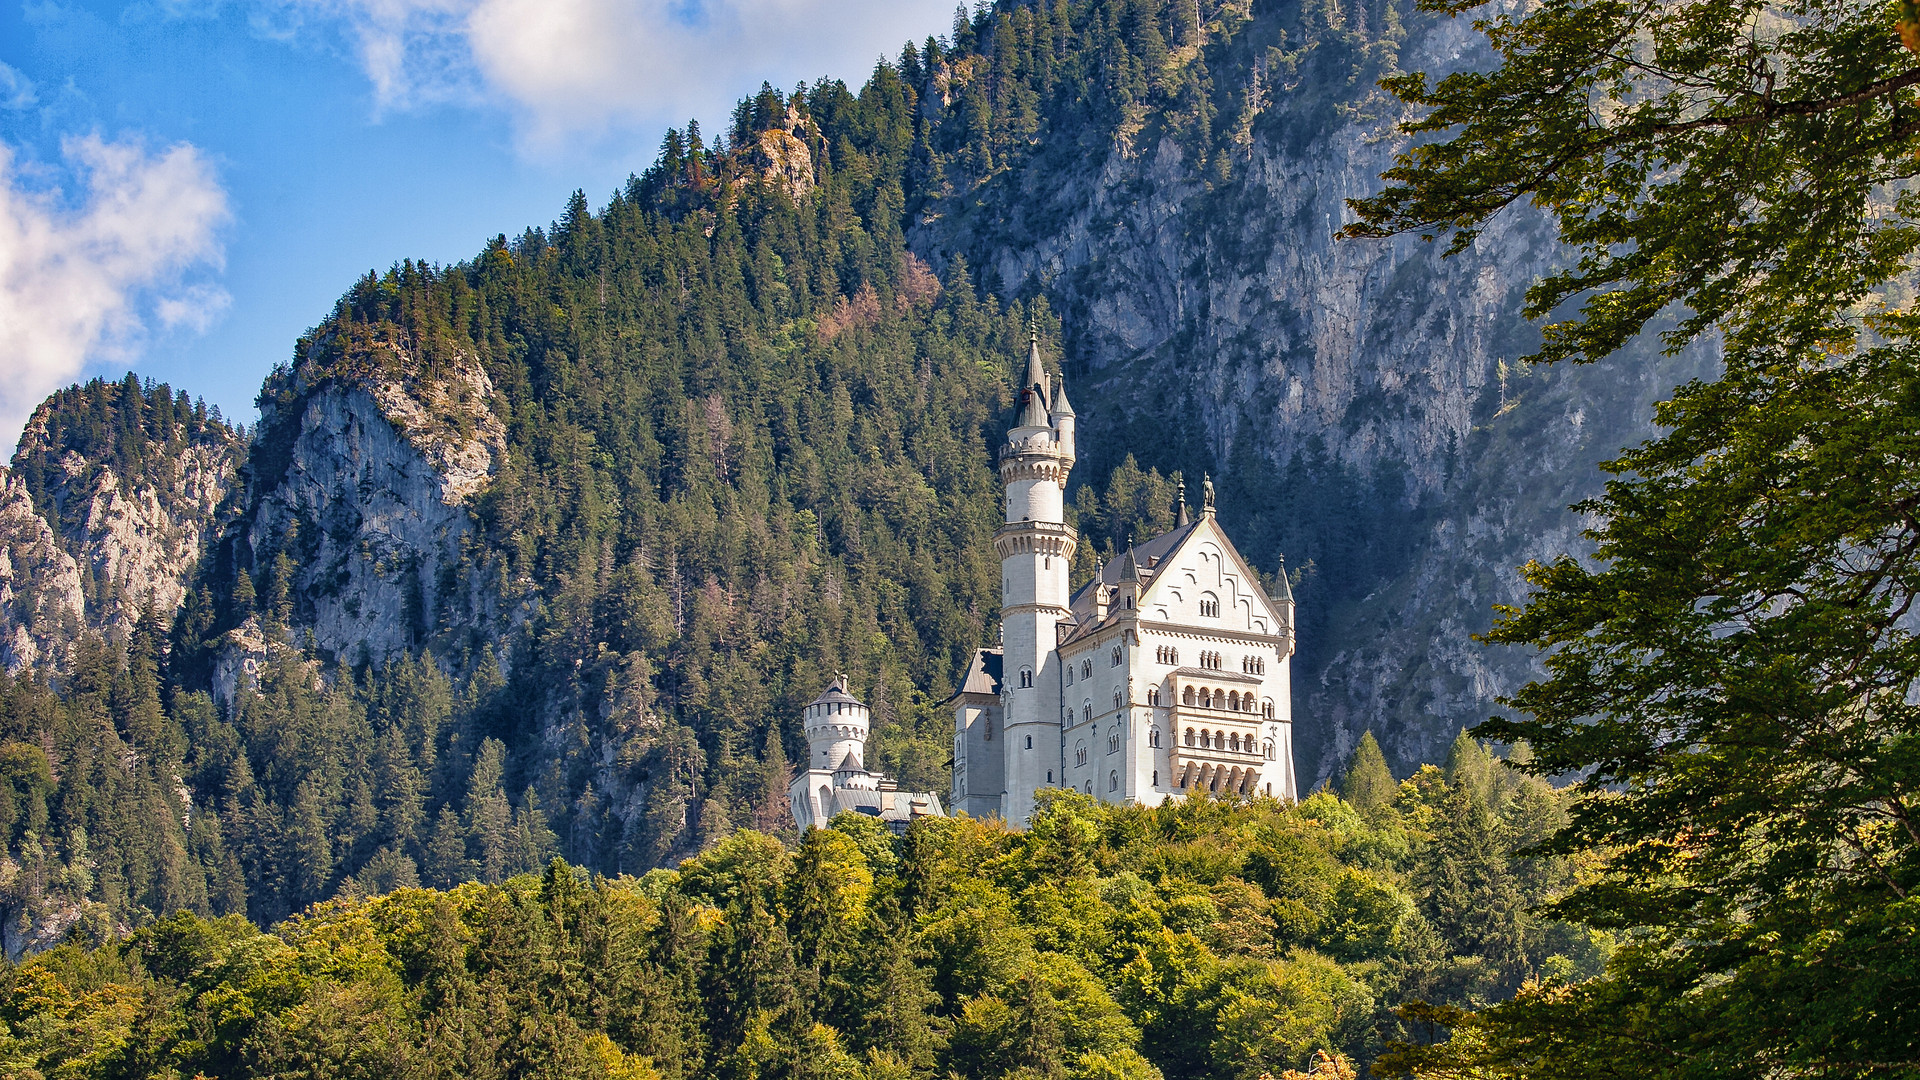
{"x":187,"y":185}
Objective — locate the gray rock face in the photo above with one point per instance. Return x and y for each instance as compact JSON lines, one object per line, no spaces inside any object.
{"x":41,"y":605}
{"x":372,"y":509}
{"x":1360,"y":397}
{"x":104,"y":547}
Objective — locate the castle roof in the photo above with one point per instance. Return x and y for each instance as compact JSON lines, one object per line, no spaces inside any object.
{"x":836,"y":694}
{"x":983,"y":675}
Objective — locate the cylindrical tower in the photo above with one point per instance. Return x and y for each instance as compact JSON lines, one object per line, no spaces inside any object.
{"x":1035,"y":545}
{"x":837,"y":725}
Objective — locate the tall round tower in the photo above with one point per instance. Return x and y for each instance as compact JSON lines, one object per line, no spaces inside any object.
{"x":837,"y":725}
{"x":1035,"y":545}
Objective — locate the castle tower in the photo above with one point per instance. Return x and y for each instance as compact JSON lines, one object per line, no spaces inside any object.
{"x":1035,"y":546}
{"x":837,"y":724}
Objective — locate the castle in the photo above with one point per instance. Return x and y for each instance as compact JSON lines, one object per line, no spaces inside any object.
{"x":1168,"y":672}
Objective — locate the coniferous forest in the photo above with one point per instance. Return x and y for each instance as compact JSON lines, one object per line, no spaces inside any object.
{"x":739,"y":417}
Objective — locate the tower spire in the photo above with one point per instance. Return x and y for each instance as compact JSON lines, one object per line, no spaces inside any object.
{"x":1183,"y":522}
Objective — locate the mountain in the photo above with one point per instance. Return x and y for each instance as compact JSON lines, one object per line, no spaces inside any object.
{"x":541,"y":552}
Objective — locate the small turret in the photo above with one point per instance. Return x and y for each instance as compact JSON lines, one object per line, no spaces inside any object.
{"x":1063,"y":419}
{"x":837,"y":725}
{"x":1283,"y":603}
{"x":1127,"y":594}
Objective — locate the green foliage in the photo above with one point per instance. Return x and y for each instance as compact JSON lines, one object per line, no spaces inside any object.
{"x":1734,"y":675}
{"x":1107,"y":943}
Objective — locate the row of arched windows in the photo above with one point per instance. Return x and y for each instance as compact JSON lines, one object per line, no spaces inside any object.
{"x":1231,"y":741}
{"x":1211,"y":660}
{"x":1253,"y":665}
{"x":1229,"y":700}
{"x":1166,"y":654}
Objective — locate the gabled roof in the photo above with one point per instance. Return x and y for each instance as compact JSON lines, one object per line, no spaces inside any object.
{"x":983,"y":675}
{"x":1146,"y":560}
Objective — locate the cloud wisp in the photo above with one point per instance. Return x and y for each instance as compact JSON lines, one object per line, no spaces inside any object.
{"x":571,"y":67}
{"x":80,"y":277}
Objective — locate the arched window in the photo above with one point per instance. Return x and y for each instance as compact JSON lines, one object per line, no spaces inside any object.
{"x":1069,"y":674}
{"x":1114,"y":658}
{"x":1113,"y":781}
{"x":1080,"y":754}
{"x":1233,"y":700}
{"x":1113,"y":742}
{"x":1189,"y":736}
{"x":1026,"y":677}
{"x":1233,"y":742}
{"x":1209,"y":605}
{"x":1156,"y":778}
{"x":1269,"y":749}
{"x":1186,"y":696}
{"x":1116,"y":699}
{"x":1086,"y":668}
{"x":1266,"y":709}
{"x":1153,"y":695}
{"x":1206,"y":739}
{"x":1029,"y":742}
{"x":1087,"y":711}
{"x":1269,"y":790}
{"x":1153,"y":737}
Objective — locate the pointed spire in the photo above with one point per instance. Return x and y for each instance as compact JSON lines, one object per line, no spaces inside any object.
{"x":1129,"y":569}
{"x":1184,"y":522}
{"x":1061,"y":406}
{"x":1036,"y":372}
{"x":1286,"y":587}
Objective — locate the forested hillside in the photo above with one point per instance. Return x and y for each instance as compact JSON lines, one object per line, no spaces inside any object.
{"x":1195,"y":940}
{"x":540,"y":553}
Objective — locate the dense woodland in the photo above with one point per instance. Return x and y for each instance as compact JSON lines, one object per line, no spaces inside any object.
{"x":747,"y":436}
{"x":1200,"y":939}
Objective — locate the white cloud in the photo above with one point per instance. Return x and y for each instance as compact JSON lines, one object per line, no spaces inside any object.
{"x":78,"y":273}
{"x":573,"y":66}
{"x":16,"y":90}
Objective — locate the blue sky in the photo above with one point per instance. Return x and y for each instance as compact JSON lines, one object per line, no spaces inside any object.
{"x":186,"y":185}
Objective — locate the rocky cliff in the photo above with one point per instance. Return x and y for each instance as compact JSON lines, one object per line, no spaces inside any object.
{"x":360,"y":481}
{"x":108,"y":508}
{"x":1359,"y":400}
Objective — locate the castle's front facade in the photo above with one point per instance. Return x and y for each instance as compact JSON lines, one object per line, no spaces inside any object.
{"x":1168,"y":673}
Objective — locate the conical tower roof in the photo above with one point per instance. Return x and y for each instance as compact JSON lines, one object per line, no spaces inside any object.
{"x":836,"y":693}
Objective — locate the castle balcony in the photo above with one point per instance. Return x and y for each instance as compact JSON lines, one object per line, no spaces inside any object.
{"x":1035,"y":538}
{"x":1216,"y":749}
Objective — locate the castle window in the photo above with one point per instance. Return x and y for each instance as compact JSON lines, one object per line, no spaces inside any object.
{"x":1187,"y":697}
{"x":1113,"y":658}
{"x":1156,"y":778}
{"x":1116,"y":699}
{"x":1113,"y":781}
{"x":1153,"y":695}
{"x":1266,"y":708}
{"x":1206,"y":739}
{"x":1233,"y":700}
{"x":1189,"y":736}
{"x":1080,"y":754}
{"x":1086,"y":711}
{"x":1029,"y":742}
{"x":1113,"y":742}
{"x":1209,"y":605}
{"x":1026,"y":677}
{"x":1069,"y":674}
{"x":1153,"y":738}
{"x":1086,"y":668}
{"x":1233,"y":742}
{"x":1269,"y":749}
{"x":1269,"y":790}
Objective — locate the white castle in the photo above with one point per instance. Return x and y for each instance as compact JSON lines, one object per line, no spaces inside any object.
{"x":1167,"y":673}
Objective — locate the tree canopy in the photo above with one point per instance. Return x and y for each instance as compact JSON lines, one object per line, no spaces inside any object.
{"x":1733,"y":672}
